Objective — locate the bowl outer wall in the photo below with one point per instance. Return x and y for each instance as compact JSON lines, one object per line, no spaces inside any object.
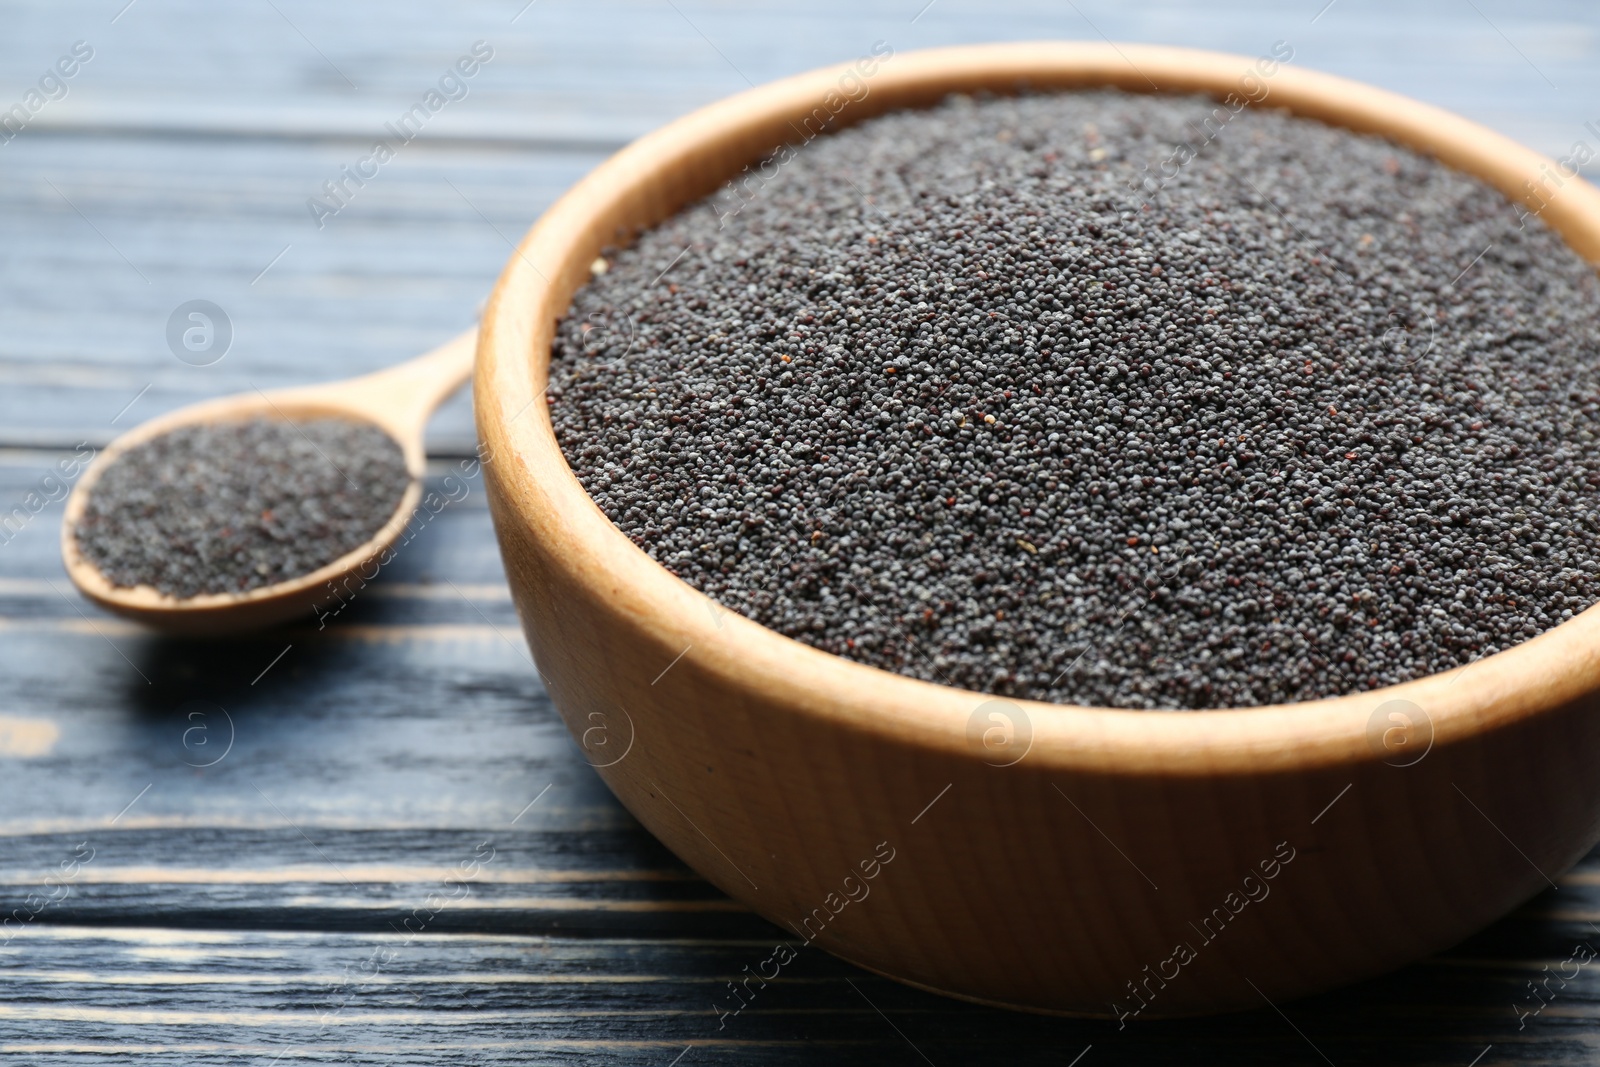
{"x":1068,"y":880}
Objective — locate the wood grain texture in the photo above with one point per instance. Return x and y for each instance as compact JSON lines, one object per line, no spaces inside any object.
{"x":414,"y":727}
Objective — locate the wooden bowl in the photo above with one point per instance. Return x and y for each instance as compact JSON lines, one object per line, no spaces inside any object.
{"x":1035,"y":856}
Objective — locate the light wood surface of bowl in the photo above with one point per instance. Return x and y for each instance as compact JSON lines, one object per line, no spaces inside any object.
{"x":1112,"y":866}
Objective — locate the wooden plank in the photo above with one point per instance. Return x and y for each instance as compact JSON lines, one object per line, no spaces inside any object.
{"x":132,"y":230}
{"x":358,"y":997}
{"x":624,"y":67}
{"x":202,"y":209}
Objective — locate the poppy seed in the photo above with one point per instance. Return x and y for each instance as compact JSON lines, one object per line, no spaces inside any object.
{"x":233,"y":506}
{"x":1318,"y":415}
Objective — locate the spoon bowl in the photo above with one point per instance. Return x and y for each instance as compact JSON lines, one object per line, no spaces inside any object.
{"x":398,"y":400}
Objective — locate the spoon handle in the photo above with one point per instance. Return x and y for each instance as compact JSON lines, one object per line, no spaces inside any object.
{"x":401,"y":398}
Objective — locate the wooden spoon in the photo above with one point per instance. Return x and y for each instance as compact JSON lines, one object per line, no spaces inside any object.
{"x":398,"y":400}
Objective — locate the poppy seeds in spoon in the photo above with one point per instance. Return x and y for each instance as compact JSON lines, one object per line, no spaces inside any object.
{"x":233,"y":506}
{"x":944,"y":395}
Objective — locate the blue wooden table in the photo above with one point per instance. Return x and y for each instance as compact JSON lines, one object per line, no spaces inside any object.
{"x":252,"y":851}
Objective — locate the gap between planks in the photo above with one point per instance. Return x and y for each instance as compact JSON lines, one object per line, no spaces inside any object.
{"x":40,"y":587}
{"x":454,"y":1017}
{"x":371,"y":874}
{"x":88,"y":979}
{"x":364,"y":633}
{"x":174,"y":936}
{"x":518,"y":1045}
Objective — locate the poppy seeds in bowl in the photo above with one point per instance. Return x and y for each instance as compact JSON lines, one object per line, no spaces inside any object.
{"x":233,"y":506}
{"x":960,"y":393}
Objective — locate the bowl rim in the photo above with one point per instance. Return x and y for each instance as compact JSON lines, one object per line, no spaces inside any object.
{"x":643,"y":183}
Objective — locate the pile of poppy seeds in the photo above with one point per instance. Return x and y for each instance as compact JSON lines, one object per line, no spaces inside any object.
{"x":233,"y":506}
{"x":942,"y":394}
